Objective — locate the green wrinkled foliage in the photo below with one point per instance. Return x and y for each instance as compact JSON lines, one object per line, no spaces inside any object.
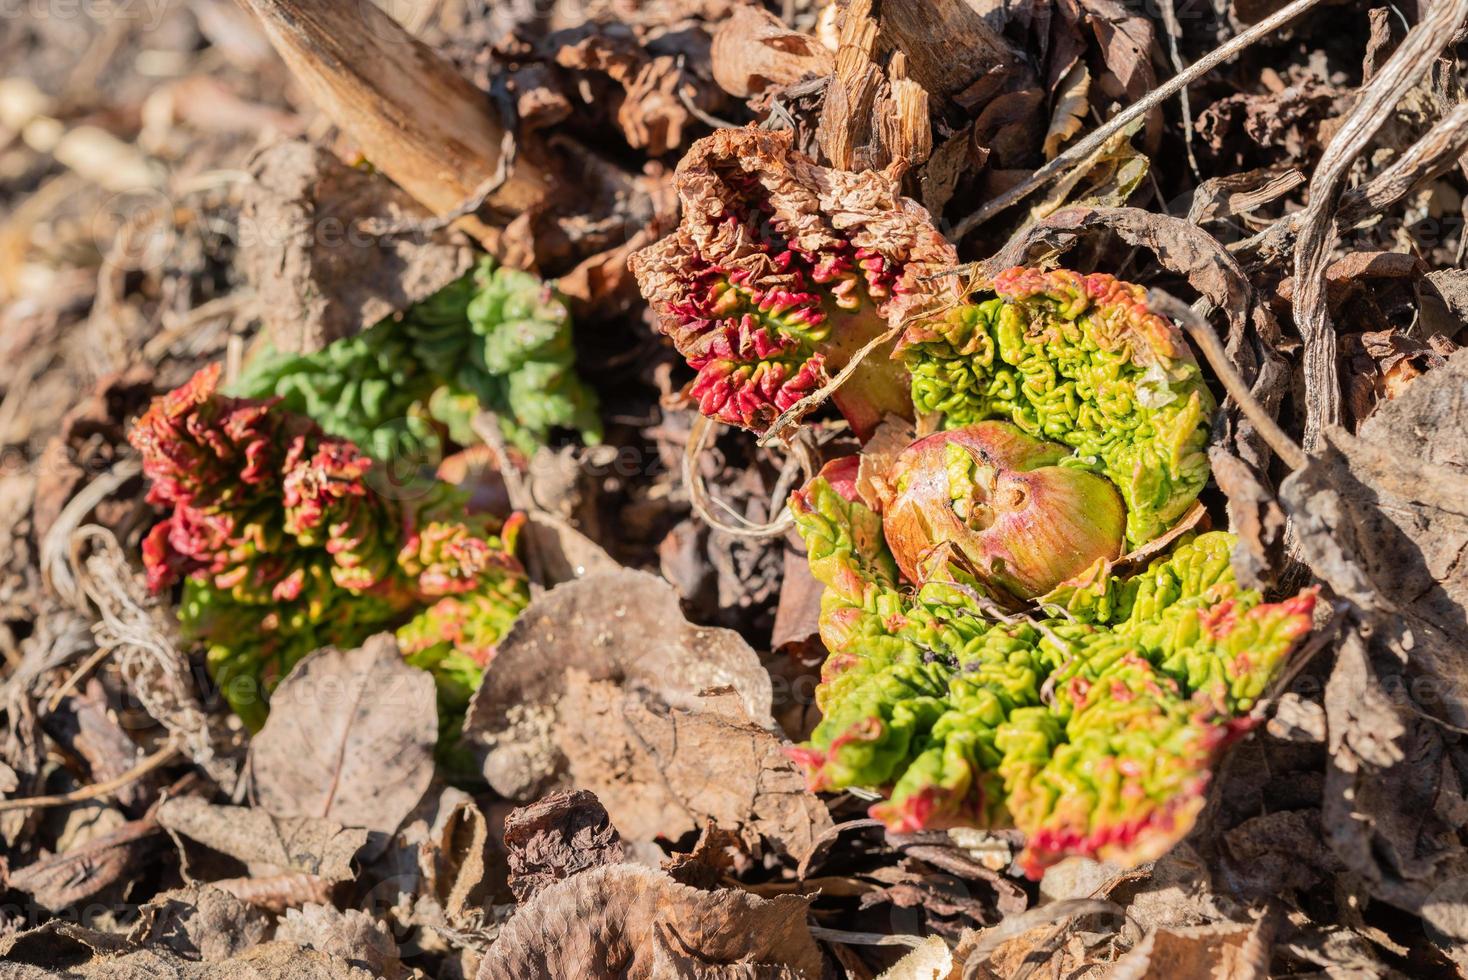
{"x":1092,"y":729}
{"x":1106,"y":378}
{"x":497,"y":339}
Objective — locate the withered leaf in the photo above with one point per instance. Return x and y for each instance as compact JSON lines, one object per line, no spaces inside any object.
{"x":64,"y":879}
{"x":1238,"y":951}
{"x":603,"y":685}
{"x":349,"y":739}
{"x":625,"y":627}
{"x":1071,"y":106}
{"x":635,"y":922}
{"x":351,"y":935}
{"x":249,"y":834}
{"x":753,"y":50}
{"x":199,"y":922}
{"x":662,"y":772}
{"x":556,"y":837}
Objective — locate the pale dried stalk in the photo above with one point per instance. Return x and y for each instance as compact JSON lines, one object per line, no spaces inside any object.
{"x":1079,"y":151}
{"x":414,"y":116}
{"x":1432,"y":155}
{"x":157,"y":760}
{"x":133,"y":628}
{"x":1411,"y":60}
{"x":1238,"y":389}
{"x":704,"y":503}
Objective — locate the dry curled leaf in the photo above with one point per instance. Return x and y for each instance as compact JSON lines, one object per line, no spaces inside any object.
{"x":603,"y":685}
{"x":351,"y":935}
{"x":625,"y":627}
{"x":663,"y":772}
{"x":65,"y":879}
{"x":754,"y":51}
{"x":1227,"y":950}
{"x":634,"y":922}
{"x":556,"y":837}
{"x":200,"y":922}
{"x":1071,"y":106}
{"x":349,"y":739}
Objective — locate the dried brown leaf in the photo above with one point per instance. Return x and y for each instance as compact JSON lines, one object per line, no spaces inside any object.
{"x":1234,"y":951}
{"x":625,"y":627}
{"x":311,"y":845}
{"x":199,"y":922}
{"x":349,"y":739}
{"x":64,"y":879}
{"x":603,"y":685}
{"x":556,"y":837}
{"x":753,"y":50}
{"x":351,"y":935}
{"x":640,"y":923}
{"x":1071,"y":106}
{"x":663,"y":773}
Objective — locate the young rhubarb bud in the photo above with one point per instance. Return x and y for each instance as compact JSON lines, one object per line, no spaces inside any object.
{"x":998,"y":500}
{"x":285,"y":548}
{"x":780,"y":271}
{"x":1079,"y":360}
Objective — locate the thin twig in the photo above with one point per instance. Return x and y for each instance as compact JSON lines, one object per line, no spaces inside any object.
{"x":155,"y":761}
{"x":1079,"y":151}
{"x":809,"y":402}
{"x":1202,"y":334}
{"x":848,"y":938}
{"x":381,"y":228}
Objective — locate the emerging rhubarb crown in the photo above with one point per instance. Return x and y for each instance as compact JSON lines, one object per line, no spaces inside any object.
{"x":1094,"y":729}
{"x":283,"y":547}
{"x":1062,"y":423}
{"x":780,"y":271}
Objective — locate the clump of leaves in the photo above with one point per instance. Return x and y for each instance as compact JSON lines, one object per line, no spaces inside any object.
{"x":284,"y":547}
{"x":1092,"y":727}
{"x":780,"y":272}
{"x":497,"y":339}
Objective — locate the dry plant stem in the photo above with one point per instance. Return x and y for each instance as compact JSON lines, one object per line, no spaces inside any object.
{"x":1202,"y":334}
{"x":56,"y":546}
{"x":88,"y":665}
{"x":703,"y":502}
{"x":831,"y":833}
{"x":1079,"y":151}
{"x":864,"y":938}
{"x":1408,"y":63}
{"x":158,"y":759}
{"x":414,"y":117}
{"x":1432,"y":155}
